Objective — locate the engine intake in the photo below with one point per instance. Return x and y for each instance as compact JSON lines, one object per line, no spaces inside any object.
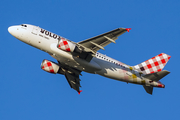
{"x":50,"y":67}
{"x":68,"y":46}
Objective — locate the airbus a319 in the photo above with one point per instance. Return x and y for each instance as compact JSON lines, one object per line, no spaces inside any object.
{"x":73,"y":58}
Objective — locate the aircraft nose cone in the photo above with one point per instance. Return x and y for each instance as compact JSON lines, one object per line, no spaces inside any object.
{"x":14,"y":30}
{"x":11,"y":29}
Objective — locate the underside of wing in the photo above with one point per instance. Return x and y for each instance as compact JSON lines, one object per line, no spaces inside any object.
{"x":73,"y":81}
{"x":100,"y":41}
{"x":72,"y":76}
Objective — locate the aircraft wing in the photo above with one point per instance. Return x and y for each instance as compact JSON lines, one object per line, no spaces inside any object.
{"x":100,"y":41}
{"x":72,"y":77}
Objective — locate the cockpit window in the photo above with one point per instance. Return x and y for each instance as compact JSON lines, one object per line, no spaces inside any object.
{"x":23,"y":25}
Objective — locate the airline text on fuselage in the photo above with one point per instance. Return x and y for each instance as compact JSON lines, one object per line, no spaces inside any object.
{"x":52,"y":35}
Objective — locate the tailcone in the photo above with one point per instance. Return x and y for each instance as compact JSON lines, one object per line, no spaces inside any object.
{"x":161,"y":85}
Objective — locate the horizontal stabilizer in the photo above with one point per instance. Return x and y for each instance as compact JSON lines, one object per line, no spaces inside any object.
{"x":149,"y":89}
{"x":157,"y":76}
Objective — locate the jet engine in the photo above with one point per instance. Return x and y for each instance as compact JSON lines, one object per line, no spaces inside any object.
{"x":50,"y":67}
{"x":68,"y":46}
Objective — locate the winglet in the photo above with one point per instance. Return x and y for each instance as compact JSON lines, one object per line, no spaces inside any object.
{"x":128,"y":29}
{"x":79,"y":91}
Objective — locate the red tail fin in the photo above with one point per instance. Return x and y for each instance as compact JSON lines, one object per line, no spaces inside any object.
{"x":154,"y":64}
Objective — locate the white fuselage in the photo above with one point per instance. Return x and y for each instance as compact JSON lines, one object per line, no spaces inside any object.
{"x":100,"y":64}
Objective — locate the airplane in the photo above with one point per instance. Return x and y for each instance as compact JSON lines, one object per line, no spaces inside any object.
{"x":73,"y":58}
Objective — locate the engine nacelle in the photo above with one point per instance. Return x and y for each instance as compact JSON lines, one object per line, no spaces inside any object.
{"x":68,"y":46}
{"x":50,"y":67}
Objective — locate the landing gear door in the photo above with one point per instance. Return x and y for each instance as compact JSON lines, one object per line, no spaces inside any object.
{"x":35,"y":30}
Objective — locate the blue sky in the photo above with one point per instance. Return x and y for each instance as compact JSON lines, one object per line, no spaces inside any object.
{"x":29,"y":93}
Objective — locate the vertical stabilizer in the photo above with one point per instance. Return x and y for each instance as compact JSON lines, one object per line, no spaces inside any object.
{"x":155,"y":64}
